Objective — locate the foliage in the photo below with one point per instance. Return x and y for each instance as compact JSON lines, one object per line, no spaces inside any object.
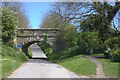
{"x":9,"y":24}
{"x":82,"y":45}
{"x":112,"y":43}
{"x":12,"y":52}
{"x":115,"y":55}
{"x":105,"y":15}
{"x":88,"y":41}
{"x":30,"y":53}
{"x":89,"y":24}
{"x":51,"y":21}
{"x":69,"y":34}
{"x":93,"y":23}
{"x":66,"y":53}
{"x":47,"y":49}
{"x":91,"y":38}
{"x":96,"y":15}
{"x":17,"y":8}
{"x":12,"y":58}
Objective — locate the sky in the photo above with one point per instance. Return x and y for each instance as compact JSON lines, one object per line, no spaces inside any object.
{"x":35,"y":12}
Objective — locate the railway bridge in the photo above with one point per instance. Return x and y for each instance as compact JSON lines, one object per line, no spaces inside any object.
{"x":26,"y":37}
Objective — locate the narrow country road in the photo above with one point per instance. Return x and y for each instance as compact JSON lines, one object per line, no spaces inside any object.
{"x":38,"y":68}
{"x":37,"y":52}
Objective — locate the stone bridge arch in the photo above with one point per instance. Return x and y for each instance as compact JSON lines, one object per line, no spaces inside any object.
{"x":26,"y":37}
{"x":26,"y":45}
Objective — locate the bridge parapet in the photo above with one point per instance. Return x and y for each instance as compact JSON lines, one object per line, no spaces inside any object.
{"x":40,"y":32}
{"x":45,"y":34}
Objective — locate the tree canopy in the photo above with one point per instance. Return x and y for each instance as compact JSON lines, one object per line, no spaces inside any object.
{"x":98,"y":14}
{"x":20,"y":13}
{"x":9,"y":24}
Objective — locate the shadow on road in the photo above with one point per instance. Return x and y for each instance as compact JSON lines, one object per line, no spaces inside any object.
{"x":39,"y":58}
{"x":39,"y":61}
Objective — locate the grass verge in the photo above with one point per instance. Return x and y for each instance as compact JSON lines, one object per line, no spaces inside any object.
{"x":78,"y":64}
{"x":110,"y":68}
{"x":12,"y":58}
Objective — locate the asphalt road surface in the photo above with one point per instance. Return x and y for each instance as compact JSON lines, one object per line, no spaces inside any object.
{"x":38,"y":68}
{"x":37,"y":52}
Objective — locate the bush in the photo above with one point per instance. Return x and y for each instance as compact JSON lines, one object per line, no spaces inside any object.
{"x":66,"y":53}
{"x":115,"y":55}
{"x":70,"y":52}
{"x":112,"y":45}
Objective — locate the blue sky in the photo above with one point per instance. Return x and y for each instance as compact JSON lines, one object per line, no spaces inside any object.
{"x":36,"y":11}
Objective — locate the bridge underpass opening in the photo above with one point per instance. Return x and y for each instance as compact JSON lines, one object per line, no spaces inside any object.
{"x":37,"y":52}
{"x":35,"y":49}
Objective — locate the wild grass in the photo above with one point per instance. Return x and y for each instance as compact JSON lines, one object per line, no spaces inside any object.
{"x":111,"y":69}
{"x":79,"y":64}
{"x":12,"y":58}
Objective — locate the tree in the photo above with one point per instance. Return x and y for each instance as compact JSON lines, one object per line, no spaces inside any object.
{"x":68,"y":37}
{"x":9,"y":24}
{"x":64,"y":39}
{"x":116,"y":22}
{"x":18,"y":9}
{"x":67,"y":10}
{"x":51,"y":21}
{"x":76,"y":12}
